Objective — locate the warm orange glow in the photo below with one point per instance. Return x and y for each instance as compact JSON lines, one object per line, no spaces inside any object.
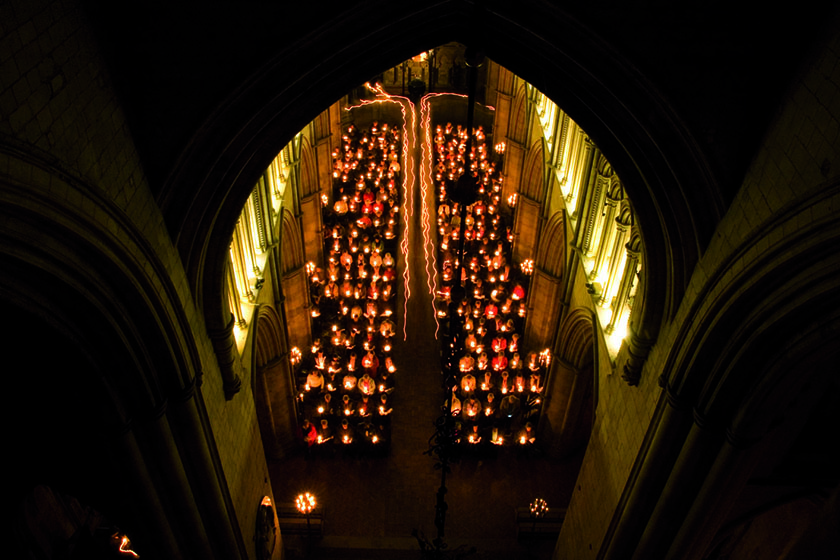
{"x":305,"y":503}
{"x":124,"y":544}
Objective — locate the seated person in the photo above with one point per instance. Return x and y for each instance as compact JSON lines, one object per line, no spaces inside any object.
{"x":370,"y":363}
{"x":471,"y":342}
{"x":490,"y":311}
{"x":505,"y":384}
{"x":352,"y":362}
{"x":365,"y":407}
{"x":490,"y":405}
{"x":366,"y":385}
{"x":471,"y":408}
{"x":519,"y":382}
{"x":533,"y":361}
{"x":349,"y":382}
{"x":514,"y":343}
{"x":389,"y":365}
{"x":487,"y":384}
{"x":345,"y":432}
{"x":346,"y":260}
{"x":386,"y":382}
{"x":387,"y":328}
{"x":467,"y":383}
{"x":370,"y":432}
{"x":376,"y":262}
{"x":500,"y":361}
{"x":473,"y":436}
{"x":467,"y":363}
{"x":325,"y":434}
{"x":315,"y":380}
{"x":308,"y":433}
{"x":482,"y":362}
{"x":387,"y":292}
{"x":509,"y":406}
{"x":499,"y":343}
{"x":515,"y":363}
{"x":348,"y":407}
{"x":324,"y":406}
{"x":534,"y":382}
{"x":526,"y":435}
{"x":384,"y":408}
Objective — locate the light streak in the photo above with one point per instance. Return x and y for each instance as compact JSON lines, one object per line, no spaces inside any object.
{"x":409,"y":139}
{"x":425,"y":183}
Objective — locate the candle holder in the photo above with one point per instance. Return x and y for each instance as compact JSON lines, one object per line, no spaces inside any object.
{"x":305,"y":503}
{"x":538,"y":508}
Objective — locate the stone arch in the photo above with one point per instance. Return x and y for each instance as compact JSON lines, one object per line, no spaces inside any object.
{"x":533,"y":176}
{"x":760,"y":348}
{"x":547,"y":286}
{"x":572,"y":389}
{"x":294,"y":282}
{"x":128,"y":394}
{"x":551,"y":254}
{"x":291,"y":249}
{"x":673,"y":192}
{"x":308,"y":169}
{"x":274,"y":393}
{"x":518,"y":127}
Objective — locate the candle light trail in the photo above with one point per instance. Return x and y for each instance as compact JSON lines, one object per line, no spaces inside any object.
{"x":409,"y":139}
{"x":425,"y":183}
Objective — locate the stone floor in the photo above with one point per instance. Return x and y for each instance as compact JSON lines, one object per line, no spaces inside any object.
{"x":371,"y":505}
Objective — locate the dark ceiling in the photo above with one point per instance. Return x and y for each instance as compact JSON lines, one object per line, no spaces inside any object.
{"x":723,"y":68}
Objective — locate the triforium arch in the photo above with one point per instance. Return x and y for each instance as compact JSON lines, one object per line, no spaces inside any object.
{"x":572,"y":390}
{"x":273,"y":389}
{"x":664,"y":173}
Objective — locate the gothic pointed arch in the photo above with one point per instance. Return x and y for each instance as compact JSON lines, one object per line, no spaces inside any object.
{"x":533,"y":175}
{"x":551,"y":255}
{"x":665,"y":174}
{"x":295,"y":285}
{"x":308,"y":170}
{"x":547,"y":285}
{"x":291,"y":253}
{"x":742,"y":376}
{"x":518,"y":128}
{"x":124,"y":391}
{"x":572,"y":389}
{"x":273,"y":390}
{"x":530,"y":202}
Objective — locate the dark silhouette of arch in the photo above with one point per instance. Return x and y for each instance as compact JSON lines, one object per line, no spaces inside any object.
{"x":665,"y":175}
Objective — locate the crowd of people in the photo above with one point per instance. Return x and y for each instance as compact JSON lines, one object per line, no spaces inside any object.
{"x":498,"y":389}
{"x":347,"y":378}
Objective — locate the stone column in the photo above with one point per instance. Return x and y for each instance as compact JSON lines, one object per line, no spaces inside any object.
{"x":630,"y":266}
{"x":622,"y":223}
{"x":611,"y":203}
